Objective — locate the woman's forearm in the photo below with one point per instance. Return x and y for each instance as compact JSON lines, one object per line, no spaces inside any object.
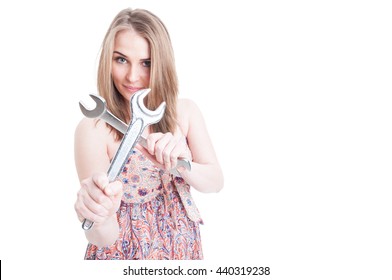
{"x":204,"y":177}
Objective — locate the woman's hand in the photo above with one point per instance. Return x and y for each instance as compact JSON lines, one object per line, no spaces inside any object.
{"x":97,"y":199}
{"x":167,"y":148}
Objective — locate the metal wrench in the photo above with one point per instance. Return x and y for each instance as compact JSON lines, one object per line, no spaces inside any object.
{"x":100,"y":111}
{"x":141,"y":118}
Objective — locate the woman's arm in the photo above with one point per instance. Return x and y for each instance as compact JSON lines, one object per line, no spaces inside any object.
{"x":206,"y":174}
{"x":97,"y":200}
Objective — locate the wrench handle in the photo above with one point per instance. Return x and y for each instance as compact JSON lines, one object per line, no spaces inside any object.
{"x":111,"y":119}
{"x":126,"y":147}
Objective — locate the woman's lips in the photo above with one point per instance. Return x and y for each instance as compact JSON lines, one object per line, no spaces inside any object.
{"x":133,"y":89}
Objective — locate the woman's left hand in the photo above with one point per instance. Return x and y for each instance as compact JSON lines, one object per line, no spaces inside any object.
{"x":167,"y":148}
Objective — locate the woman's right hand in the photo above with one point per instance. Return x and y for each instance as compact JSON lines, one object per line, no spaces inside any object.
{"x":97,"y":199}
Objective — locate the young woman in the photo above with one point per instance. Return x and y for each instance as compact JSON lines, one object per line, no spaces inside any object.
{"x":147,"y":213}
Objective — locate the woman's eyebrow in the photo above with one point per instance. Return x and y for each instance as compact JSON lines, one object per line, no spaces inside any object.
{"x":117,"y":52}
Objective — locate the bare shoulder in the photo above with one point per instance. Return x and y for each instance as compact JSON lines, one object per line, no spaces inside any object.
{"x":92,"y":132}
{"x":187,"y":108}
{"x":186,"y":102}
{"x":91,"y":127}
{"x":186,"y":111}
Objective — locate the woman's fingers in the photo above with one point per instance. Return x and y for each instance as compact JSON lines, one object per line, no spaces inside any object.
{"x":115,"y":193}
{"x":101,"y":180}
{"x":96,"y":190}
{"x":97,"y":198}
{"x":150,"y":156}
{"x":151,"y":141}
{"x":166,"y":151}
{"x":166,"y":148}
{"x":92,"y":200}
{"x":163,"y":150}
{"x":156,"y":144}
{"x":84,"y":212}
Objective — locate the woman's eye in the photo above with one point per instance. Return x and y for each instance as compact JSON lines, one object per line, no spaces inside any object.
{"x":121,"y":60}
{"x":146,"y":63}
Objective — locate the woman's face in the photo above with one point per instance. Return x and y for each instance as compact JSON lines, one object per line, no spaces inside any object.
{"x":131,"y":63}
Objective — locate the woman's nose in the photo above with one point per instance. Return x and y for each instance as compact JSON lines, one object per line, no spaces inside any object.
{"x":133,"y":74}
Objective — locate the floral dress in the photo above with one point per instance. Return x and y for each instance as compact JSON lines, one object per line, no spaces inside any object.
{"x":157,"y":217}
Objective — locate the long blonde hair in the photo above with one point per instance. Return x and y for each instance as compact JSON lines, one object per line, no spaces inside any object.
{"x":163,"y":76}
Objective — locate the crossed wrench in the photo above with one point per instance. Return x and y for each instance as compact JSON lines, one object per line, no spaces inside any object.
{"x":141,"y":118}
{"x":100,"y":111}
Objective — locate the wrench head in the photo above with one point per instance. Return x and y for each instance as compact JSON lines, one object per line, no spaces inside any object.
{"x":100,"y":107}
{"x":140,"y":111}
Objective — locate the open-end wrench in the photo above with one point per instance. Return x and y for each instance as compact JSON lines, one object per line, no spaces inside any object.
{"x":141,"y":118}
{"x":100,"y":111}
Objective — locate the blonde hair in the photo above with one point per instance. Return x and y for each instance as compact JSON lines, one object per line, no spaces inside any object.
{"x":163,"y":76}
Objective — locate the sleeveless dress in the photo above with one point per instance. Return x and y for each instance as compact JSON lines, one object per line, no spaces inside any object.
{"x":158,"y":218}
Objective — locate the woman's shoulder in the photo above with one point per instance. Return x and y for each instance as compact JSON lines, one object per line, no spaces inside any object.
{"x":91,"y":129}
{"x":187,"y":113}
{"x":186,"y":107}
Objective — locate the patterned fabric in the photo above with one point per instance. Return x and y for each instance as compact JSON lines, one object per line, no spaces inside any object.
{"x":157,"y":217}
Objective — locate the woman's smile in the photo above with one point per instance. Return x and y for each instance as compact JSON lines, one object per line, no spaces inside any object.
{"x":132,"y":89}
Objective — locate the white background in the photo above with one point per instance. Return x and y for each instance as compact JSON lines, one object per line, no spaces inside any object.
{"x":296,"y":95}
